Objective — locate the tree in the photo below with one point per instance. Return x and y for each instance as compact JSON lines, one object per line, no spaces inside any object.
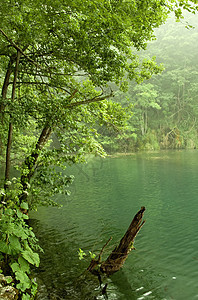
{"x":167,"y":104}
{"x":59,"y":58}
{"x":57,"y":61}
{"x":177,"y":84}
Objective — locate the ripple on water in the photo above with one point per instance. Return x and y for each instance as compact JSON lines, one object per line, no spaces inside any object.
{"x":166,"y":260}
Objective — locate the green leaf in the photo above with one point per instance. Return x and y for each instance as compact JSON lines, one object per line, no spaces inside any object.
{"x":26,"y":297}
{"x":15,"y":267}
{"x":24,"y":264}
{"x":4,"y":247}
{"x":81,"y":254}
{"x":19,"y":214}
{"x":25,"y":217}
{"x":25,"y":282}
{"x":34,"y":287}
{"x":31,"y":257}
{"x":8,"y":279}
{"x":24,"y":205}
{"x":92,"y":255}
{"x":15,"y":243}
{"x":20,"y":231}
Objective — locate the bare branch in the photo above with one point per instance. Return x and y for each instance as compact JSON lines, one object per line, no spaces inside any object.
{"x":102,"y":250}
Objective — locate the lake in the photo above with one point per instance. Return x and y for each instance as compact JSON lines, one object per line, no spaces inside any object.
{"x":105,"y":196}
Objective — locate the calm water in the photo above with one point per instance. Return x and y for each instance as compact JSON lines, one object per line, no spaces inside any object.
{"x":105,"y":197}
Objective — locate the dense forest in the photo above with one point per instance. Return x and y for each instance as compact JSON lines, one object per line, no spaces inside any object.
{"x":164,"y":108}
{"x":73,"y":82}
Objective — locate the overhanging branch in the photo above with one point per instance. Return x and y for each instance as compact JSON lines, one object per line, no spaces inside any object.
{"x":94,"y":99}
{"x":20,"y":50}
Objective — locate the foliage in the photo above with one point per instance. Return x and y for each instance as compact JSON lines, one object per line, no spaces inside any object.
{"x":82,"y":254}
{"x":165,"y":108}
{"x":47,"y":183}
{"x":58,"y":59}
{"x":17,"y":249}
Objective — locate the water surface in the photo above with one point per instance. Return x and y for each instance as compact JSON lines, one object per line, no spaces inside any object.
{"x":105,"y":196}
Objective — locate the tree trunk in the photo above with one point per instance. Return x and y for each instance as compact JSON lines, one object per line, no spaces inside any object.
{"x":10,"y":131}
{"x":118,"y":256}
{"x":4,"y":94}
{"x":6,"y":83}
{"x":8,"y":152}
{"x":31,"y":161}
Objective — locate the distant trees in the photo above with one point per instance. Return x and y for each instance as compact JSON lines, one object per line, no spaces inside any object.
{"x":165,"y":108}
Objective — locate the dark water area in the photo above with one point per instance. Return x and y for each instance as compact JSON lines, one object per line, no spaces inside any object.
{"x":105,"y":196}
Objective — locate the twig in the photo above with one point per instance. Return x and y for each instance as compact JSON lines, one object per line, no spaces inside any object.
{"x":102,"y":250}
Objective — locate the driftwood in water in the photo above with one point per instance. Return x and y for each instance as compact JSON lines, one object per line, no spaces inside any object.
{"x":118,"y":256}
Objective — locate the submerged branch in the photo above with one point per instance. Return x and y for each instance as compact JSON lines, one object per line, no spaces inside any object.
{"x":118,"y":256}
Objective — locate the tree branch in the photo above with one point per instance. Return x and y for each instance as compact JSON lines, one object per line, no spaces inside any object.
{"x":43,"y":83}
{"x":31,"y":160}
{"x":94,"y":99}
{"x":16,"y":47}
{"x":20,"y":50}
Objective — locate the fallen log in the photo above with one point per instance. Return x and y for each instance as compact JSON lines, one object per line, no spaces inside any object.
{"x":116,"y":259}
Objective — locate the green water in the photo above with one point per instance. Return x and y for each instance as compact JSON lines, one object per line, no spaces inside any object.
{"x":105,"y":197}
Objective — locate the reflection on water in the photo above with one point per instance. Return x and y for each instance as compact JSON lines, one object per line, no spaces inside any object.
{"x":105,"y":197}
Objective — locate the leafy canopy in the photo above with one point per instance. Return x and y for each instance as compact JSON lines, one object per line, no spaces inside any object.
{"x":69,"y":54}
